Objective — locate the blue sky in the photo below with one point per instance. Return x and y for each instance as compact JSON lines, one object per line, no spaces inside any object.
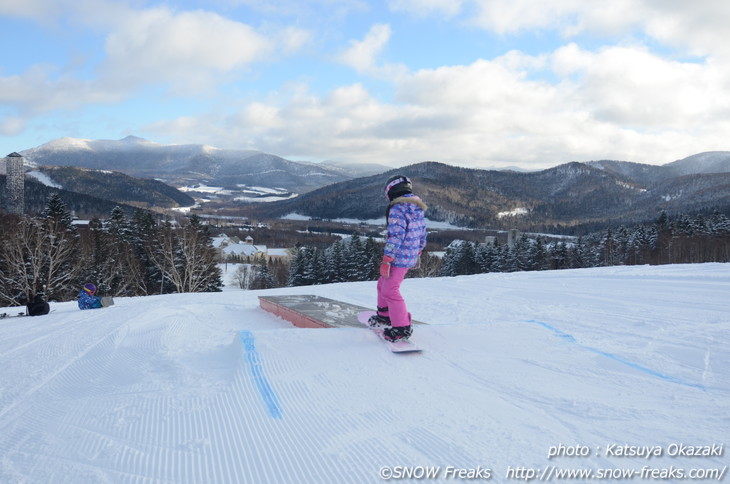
{"x":480,"y":83}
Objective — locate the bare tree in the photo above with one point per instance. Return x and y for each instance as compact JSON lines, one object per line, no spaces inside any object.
{"x":244,"y":275}
{"x":186,"y":258}
{"x":428,"y":266}
{"x":41,"y":256}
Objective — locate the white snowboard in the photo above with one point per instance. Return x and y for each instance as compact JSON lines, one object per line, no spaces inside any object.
{"x":403,"y":346}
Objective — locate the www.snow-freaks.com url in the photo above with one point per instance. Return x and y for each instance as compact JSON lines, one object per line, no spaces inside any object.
{"x":551,"y":473}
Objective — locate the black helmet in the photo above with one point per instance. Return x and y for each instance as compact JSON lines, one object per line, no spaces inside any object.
{"x":397,"y":186}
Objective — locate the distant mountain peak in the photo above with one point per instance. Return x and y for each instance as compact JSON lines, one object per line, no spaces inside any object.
{"x":132,"y":139}
{"x":66,"y":144}
{"x":707,"y":162}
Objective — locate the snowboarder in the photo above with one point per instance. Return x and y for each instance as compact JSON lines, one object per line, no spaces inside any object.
{"x":403,"y":246}
{"x":87,"y":299}
{"x":37,"y":306}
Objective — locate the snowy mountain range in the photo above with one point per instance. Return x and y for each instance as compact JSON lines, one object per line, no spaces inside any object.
{"x":587,"y":194}
{"x":183,"y":165}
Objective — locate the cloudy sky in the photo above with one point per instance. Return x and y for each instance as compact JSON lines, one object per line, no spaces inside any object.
{"x":481,"y":83}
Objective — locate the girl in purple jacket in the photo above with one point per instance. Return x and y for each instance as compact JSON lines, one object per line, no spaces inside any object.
{"x":405,"y":240}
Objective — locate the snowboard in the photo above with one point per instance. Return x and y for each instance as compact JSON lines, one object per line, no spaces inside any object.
{"x":107,"y":301}
{"x":6,"y":315}
{"x":403,"y":346}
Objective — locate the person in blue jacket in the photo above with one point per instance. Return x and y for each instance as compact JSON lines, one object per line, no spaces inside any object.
{"x":87,"y":299}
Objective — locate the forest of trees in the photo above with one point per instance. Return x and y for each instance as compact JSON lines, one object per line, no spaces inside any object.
{"x":124,"y":256}
{"x":347,"y":260}
{"x":137,"y":255}
{"x":684,"y":239}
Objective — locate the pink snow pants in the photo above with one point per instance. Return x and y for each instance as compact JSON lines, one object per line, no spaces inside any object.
{"x":389,"y":296}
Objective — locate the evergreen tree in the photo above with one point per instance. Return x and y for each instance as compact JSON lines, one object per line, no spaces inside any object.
{"x":355,"y":260}
{"x":263,"y":279}
{"x":334,"y":264}
{"x":114,"y":265}
{"x":56,"y":209}
{"x":450,"y":260}
{"x":485,"y":257}
{"x":100,"y":260}
{"x":510,"y":259}
{"x":304,"y":269}
{"x":466,"y":259}
{"x":118,"y":226}
{"x":538,"y":255}
{"x":719,"y":223}
{"x":559,"y":256}
{"x":61,"y":251}
{"x":297,"y":267}
{"x":522,"y":251}
{"x":143,"y":231}
{"x":373,"y":254}
{"x":314,"y":271}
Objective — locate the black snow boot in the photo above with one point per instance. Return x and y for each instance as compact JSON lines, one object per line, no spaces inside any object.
{"x":396,"y":333}
{"x":378,"y":321}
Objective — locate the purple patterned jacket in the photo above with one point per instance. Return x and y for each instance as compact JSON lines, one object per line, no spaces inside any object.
{"x":406,"y":230}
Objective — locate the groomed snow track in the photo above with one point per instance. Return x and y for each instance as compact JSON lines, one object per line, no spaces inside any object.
{"x":212,"y":389}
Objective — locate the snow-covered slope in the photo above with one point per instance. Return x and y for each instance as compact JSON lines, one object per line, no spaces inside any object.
{"x":708,"y":162}
{"x":44,"y":179}
{"x":208,"y":388}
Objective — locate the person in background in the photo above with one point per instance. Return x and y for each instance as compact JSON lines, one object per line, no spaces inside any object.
{"x":37,"y":306}
{"x":87,"y":299}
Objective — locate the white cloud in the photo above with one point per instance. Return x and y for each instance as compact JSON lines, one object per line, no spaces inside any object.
{"x":512,"y":16}
{"x":617,"y":103}
{"x":11,"y":125}
{"x":40,"y":90}
{"x":364,"y":56}
{"x":633,"y":87}
{"x":621,"y":101}
{"x":187,"y":48}
{"x":189,"y":51}
{"x":698,"y":28}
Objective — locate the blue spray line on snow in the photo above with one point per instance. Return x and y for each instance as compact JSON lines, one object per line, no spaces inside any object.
{"x":262,"y":383}
{"x":569,"y":338}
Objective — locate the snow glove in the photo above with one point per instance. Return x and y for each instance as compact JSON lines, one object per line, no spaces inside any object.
{"x":385,"y":266}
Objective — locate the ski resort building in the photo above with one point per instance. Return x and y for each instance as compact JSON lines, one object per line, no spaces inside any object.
{"x":232,"y":248}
